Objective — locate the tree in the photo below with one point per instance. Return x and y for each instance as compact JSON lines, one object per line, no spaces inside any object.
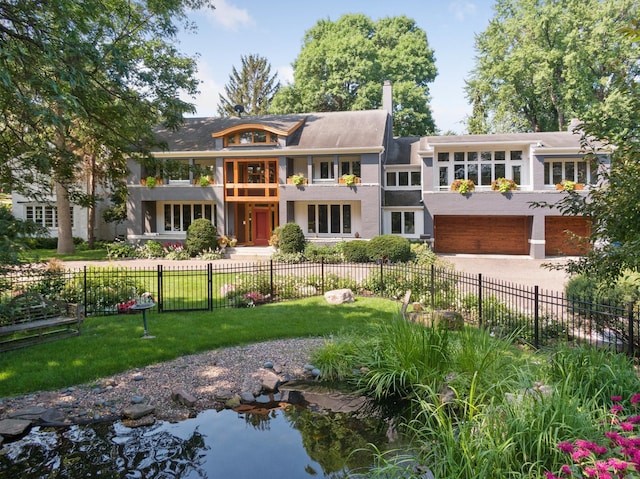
{"x":343,"y":65}
{"x":614,"y":206}
{"x":86,"y":78}
{"x":542,"y":62}
{"x":253,"y":87}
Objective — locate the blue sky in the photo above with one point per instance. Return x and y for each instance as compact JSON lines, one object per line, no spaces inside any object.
{"x":274,"y":30}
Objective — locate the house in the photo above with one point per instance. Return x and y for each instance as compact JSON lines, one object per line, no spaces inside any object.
{"x":402,"y":185}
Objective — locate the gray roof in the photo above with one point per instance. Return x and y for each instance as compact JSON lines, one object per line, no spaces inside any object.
{"x":551,"y":139}
{"x":403,"y":151}
{"x":344,"y":129}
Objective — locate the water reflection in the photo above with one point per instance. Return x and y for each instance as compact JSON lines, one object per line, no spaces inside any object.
{"x":291,"y":443}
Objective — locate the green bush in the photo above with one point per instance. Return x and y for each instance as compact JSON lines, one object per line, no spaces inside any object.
{"x":391,"y":248}
{"x":322,"y":253}
{"x":290,"y":238}
{"x":356,"y":251}
{"x":201,"y":236}
{"x":119,"y":249}
{"x":150,"y":250}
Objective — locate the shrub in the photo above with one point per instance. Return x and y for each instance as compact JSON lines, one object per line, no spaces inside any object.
{"x":201,"y":235}
{"x":150,"y":250}
{"x":389,"y":247}
{"x":356,"y":251}
{"x":291,"y":258}
{"x":290,"y":238}
{"x":322,"y":253}
{"x":119,"y":249}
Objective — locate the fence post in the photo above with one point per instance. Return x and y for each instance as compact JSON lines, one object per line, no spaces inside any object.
{"x":322,"y":274}
{"x":209,"y":286}
{"x":433,"y":287}
{"x":630,"y":348}
{"x":480,"y":300}
{"x":536,"y":317}
{"x":271,"y":278}
{"x":84,"y":288}
{"x":382,"y":278}
{"x":159,"y":288}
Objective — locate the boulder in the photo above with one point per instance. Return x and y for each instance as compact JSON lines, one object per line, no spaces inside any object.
{"x":339,"y":296}
{"x":269,"y":380}
{"x":183,"y":397}
{"x":14,"y":427}
{"x":137,"y":411}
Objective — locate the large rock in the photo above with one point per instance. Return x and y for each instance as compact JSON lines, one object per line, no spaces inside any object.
{"x":14,"y":427}
{"x":339,"y":296}
{"x":183,"y":397}
{"x":269,"y":380}
{"x":137,"y":411}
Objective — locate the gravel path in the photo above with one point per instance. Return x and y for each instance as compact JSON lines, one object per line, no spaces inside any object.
{"x":209,"y":377}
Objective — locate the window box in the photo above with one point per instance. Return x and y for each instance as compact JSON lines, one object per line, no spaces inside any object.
{"x":298,"y":180}
{"x":204,"y":180}
{"x":568,"y":185}
{"x":349,"y":180}
{"x":463,"y":186}
{"x":503,"y":185}
{"x":151,"y":181}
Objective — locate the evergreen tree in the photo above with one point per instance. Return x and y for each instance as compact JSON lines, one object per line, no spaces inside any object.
{"x":253,"y":87}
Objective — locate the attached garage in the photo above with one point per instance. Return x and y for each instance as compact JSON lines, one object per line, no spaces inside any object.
{"x":559,"y":236}
{"x":482,"y":234}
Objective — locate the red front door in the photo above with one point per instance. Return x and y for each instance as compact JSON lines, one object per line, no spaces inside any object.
{"x":261,"y":230}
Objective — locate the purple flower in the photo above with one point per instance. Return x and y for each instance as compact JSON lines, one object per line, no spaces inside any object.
{"x":566,"y":447}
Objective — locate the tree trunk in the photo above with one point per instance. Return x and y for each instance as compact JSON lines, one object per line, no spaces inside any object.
{"x":65,"y":232}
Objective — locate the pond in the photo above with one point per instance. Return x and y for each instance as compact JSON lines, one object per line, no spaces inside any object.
{"x":291,"y":442}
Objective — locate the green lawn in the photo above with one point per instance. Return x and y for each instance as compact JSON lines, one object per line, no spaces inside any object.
{"x":112,"y":344}
{"x":34,"y":255}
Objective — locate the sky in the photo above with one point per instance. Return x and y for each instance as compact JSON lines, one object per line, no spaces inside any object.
{"x":275,"y":29}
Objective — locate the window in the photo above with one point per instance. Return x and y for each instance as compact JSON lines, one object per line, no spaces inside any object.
{"x":323,"y":168}
{"x":349,"y":165}
{"x":482,"y":167}
{"x":558,"y":170}
{"x":179,"y":216}
{"x":178,"y":171}
{"x":251,"y":137}
{"x":403,"y":178}
{"x":44,"y":215}
{"x":403,"y":222}
{"x":329,"y":218}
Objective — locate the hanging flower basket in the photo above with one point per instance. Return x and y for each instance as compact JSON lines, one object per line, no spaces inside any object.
{"x":463,"y":186}
{"x":503,"y":185}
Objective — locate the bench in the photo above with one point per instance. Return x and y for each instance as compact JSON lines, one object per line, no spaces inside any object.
{"x":30,"y":319}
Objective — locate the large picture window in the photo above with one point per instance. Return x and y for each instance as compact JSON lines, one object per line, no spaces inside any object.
{"x":329,"y":219}
{"x":482,"y":167}
{"x":403,"y":222}
{"x":403,"y":178}
{"x":179,"y":216}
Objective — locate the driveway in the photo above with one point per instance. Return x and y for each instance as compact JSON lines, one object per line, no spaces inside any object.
{"x":521,"y":270}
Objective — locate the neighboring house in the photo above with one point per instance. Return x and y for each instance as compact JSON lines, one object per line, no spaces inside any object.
{"x":238,"y":173}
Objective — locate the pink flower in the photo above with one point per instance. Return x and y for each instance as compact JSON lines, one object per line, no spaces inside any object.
{"x":590,"y":472}
{"x":579,"y":454}
{"x":616,"y":398}
{"x":566,"y":447}
{"x":550,"y":475}
{"x":615,"y":409}
{"x":566,"y":470}
{"x":635,"y":399}
{"x":617,"y":464}
{"x":626,"y":426}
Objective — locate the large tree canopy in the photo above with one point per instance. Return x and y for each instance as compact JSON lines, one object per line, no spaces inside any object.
{"x":614,"y":207}
{"x":542,"y":62}
{"x":85,"y":80}
{"x":253,"y":87}
{"x":343,"y":65}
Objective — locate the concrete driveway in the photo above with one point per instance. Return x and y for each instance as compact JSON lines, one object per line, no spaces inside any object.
{"x":521,"y":270}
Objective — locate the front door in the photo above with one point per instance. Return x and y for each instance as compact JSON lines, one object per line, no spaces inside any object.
{"x":261,"y":230}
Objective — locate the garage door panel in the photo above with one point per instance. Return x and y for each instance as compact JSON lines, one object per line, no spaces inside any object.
{"x":482,"y":234}
{"x":559,"y":234}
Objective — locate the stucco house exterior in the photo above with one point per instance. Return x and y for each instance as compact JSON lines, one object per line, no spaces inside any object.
{"x":239,"y":173}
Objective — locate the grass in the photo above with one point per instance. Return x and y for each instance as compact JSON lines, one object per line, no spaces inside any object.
{"x":112,"y":344}
{"x":81,"y":254}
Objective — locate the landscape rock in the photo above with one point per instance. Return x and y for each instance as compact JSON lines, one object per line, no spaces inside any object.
{"x":247,"y":397}
{"x":32,"y":413}
{"x":14,"y":427}
{"x":339,"y":296}
{"x":269,"y":380}
{"x":183,"y":397}
{"x":137,"y":411}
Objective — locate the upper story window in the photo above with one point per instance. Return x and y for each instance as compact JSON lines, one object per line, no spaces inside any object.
{"x":349,"y":165}
{"x":323,"y":168}
{"x":403,"y":178}
{"x":482,"y":167}
{"x":251,"y":137}
{"x":557,"y":170}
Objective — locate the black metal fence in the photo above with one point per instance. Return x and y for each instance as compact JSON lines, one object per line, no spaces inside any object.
{"x":529,"y":314}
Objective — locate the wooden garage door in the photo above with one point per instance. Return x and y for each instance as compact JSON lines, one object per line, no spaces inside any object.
{"x":558,"y":235}
{"x":482,"y":234}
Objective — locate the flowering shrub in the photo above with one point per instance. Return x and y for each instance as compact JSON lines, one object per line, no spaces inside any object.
{"x":620,"y":460}
{"x":253,"y":298}
{"x":124,"y":307}
{"x":463,"y":186}
{"x":175,"y":250}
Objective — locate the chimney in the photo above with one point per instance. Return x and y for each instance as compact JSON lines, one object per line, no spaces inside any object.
{"x":387,"y":97}
{"x":574,"y":124}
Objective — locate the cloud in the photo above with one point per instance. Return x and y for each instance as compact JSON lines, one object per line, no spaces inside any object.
{"x":229,"y":16}
{"x":462,"y":9}
{"x":206,"y":102}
